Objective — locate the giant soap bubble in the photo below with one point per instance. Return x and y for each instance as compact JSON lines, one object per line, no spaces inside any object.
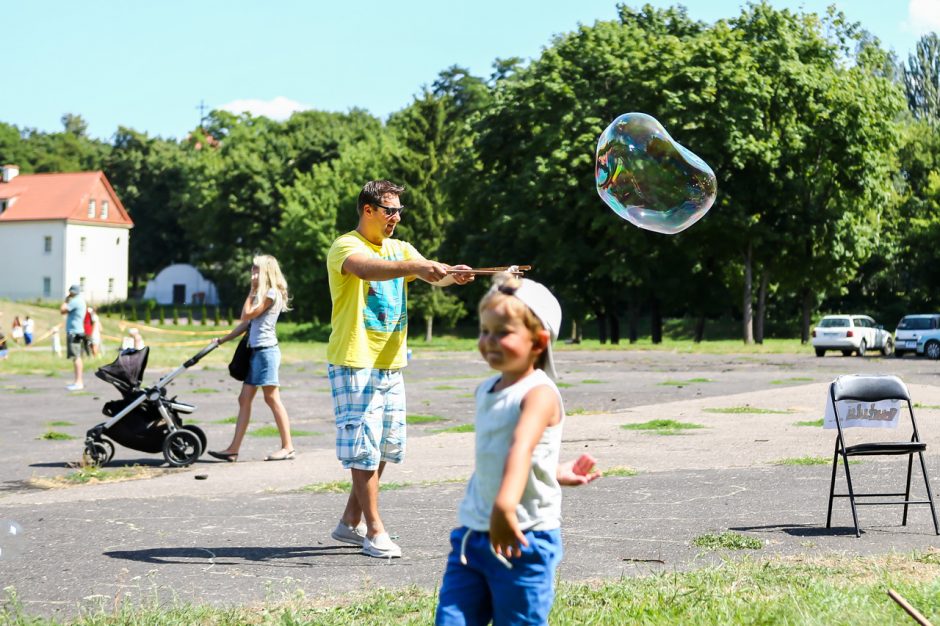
{"x":650,"y":180}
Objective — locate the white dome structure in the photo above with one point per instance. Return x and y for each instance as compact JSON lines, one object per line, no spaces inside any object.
{"x":181,"y":283}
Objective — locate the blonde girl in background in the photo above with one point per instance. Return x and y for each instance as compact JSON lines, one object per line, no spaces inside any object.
{"x":266,"y":299}
{"x":507,"y":547}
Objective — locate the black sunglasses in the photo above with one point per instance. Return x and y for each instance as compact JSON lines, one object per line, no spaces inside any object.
{"x":390,"y":210}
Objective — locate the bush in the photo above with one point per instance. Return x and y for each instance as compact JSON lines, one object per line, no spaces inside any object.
{"x":162,"y":319}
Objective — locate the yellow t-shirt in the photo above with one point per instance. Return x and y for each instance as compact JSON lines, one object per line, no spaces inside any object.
{"x":370,"y":318}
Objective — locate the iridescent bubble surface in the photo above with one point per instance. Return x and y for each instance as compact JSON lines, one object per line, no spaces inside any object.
{"x":649,"y":179}
{"x":11,"y":539}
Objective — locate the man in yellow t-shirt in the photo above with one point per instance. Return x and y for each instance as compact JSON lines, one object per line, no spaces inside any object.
{"x":369,"y":274}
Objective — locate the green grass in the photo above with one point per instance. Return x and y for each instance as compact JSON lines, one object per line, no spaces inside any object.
{"x":804,"y":460}
{"x":563,"y":385}
{"x":24,"y":390}
{"x":818,"y":423}
{"x":744,"y":590}
{"x":582,"y":411}
{"x":60,"y":423}
{"x":204,"y":390}
{"x":55,"y":435}
{"x":751,"y":410}
{"x":425,"y":419}
{"x":619,"y":470}
{"x":462,"y":428}
{"x":918,"y":405}
{"x":227,"y":420}
{"x":797,"y":379}
{"x":88,"y":475}
{"x":727,"y":540}
{"x":343,"y":486}
{"x":683,"y":383}
{"x":272,"y":431}
{"x":662,"y":427}
{"x":444,"y":387}
{"x":591,"y":381}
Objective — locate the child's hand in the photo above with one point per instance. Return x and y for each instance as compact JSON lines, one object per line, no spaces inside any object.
{"x":505,"y":535}
{"x":577,"y":472}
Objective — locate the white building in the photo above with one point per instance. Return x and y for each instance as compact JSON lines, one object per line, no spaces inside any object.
{"x":58,"y":230}
{"x":181,"y":283}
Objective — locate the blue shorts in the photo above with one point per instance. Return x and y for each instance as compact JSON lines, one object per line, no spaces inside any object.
{"x":263,"y":366}
{"x":485,"y":589}
{"x":369,"y":406}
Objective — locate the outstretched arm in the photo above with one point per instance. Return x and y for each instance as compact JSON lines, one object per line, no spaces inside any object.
{"x":371,"y":268}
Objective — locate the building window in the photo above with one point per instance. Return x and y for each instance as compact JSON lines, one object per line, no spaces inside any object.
{"x":104,"y":209}
{"x":46,"y":286}
{"x":81,"y":244}
{"x":91,"y":208}
{"x":81,"y":283}
{"x":47,"y":244}
{"x":110,"y":286}
{"x":117,"y":241}
{"x":3,"y":206}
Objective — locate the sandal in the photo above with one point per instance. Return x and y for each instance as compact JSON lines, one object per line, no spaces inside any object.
{"x":280,"y":455}
{"x":224,"y":456}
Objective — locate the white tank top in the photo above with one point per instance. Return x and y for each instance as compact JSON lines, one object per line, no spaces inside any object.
{"x":496,"y":418}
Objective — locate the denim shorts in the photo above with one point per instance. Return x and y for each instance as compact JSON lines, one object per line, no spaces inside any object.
{"x":369,"y":406}
{"x":478,"y":588}
{"x":263,"y":366}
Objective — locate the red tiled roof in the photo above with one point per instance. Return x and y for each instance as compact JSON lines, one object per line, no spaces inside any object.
{"x":62,"y":196}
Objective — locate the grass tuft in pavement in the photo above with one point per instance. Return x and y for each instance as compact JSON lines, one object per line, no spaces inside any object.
{"x":461,"y":428}
{"x":662,"y":427}
{"x":683,"y":383}
{"x":804,"y":460}
{"x":818,"y":423}
{"x":55,"y":435}
{"x":619,"y":470}
{"x":727,"y":540}
{"x":425,"y":419}
{"x":271,"y":431}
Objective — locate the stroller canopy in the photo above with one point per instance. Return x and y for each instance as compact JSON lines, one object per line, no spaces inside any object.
{"x":128,"y":368}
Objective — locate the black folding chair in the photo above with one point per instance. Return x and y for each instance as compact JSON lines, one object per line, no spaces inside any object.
{"x":873,"y":389}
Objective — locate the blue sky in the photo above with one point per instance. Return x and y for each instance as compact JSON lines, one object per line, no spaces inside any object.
{"x":148,"y":65}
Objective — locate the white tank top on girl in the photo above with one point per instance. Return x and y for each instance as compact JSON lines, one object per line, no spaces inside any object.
{"x":496,"y":418}
{"x":261,"y":333}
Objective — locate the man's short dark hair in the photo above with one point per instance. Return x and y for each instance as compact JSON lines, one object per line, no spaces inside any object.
{"x":374,"y":190}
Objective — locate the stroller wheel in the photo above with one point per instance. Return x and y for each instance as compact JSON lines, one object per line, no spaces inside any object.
{"x":181,"y":448}
{"x":98,"y":453}
{"x":199,"y":433}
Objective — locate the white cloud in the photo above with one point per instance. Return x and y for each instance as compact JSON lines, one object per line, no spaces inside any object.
{"x":923,"y":16}
{"x":280,"y":108}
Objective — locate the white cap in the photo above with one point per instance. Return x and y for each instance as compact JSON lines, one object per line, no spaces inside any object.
{"x":545,"y":306}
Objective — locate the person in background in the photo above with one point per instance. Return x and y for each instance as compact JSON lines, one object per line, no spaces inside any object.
{"x":28,"y":326}
{"x":74,"y":310}
{"x":94,"y":340}
{"x":16,"y":330}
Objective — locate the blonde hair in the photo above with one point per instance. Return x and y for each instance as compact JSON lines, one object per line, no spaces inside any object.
{"x":270,"y":276}
{"x":501,"y":293}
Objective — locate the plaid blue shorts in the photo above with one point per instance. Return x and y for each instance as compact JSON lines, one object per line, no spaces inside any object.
{"x":369,"y":405}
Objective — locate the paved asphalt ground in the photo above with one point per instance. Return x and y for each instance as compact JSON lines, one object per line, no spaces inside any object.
{"x":249,"y":533}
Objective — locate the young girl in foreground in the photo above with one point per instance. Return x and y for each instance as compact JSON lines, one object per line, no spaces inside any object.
{"x":504,"y":555}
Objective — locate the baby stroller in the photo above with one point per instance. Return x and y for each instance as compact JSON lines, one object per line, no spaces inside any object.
{"x":144,"y":418}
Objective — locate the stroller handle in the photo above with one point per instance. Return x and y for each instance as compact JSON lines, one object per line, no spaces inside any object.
{"x":198,"y":357}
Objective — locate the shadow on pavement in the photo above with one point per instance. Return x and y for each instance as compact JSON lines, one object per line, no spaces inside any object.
{"x":233,"y":555}
{"x":801,"y":530}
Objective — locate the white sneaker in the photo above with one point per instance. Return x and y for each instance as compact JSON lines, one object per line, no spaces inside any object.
{"x":381,"y":546}
{"x":74,"y":387}
{"x":349,"y":534}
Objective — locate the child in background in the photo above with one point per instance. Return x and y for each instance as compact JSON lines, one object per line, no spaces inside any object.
{"x":505,"y":552}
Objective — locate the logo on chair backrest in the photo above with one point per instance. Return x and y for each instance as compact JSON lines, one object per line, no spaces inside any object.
{"x":855,"y":414}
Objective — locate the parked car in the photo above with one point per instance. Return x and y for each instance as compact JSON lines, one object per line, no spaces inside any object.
{"x":928,"y":344}
{"x":909,"y":331}
{"x":851,"y":333}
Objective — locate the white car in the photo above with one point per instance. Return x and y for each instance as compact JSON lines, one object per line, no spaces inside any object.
{"x":911,"y":329}
{"x":851,"y":333}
